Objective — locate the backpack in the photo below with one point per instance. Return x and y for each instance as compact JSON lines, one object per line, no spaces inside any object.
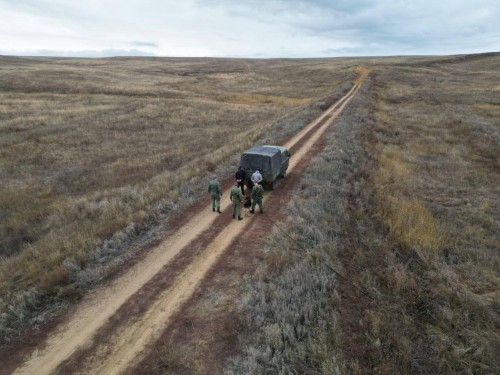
{"x":248,"y":203}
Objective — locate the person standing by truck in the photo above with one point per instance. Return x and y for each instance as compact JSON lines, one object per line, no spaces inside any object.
{"x":214,"y":189}
{"x":240,"y":179}
{"x":256,"y":177}
{"x":257,"y":195}
{"x":236,"y":197}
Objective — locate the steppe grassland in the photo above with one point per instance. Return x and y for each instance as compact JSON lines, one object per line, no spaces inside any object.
{"x":439,"y":145}
{"x":89,"y":147}
{"x":437,"y":192}
{"x":403,"y":203}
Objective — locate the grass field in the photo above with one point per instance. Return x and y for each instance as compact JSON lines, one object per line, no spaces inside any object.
{"x":94,"y":150}
{"x":404,"y":205}
{"x":389,"y":262}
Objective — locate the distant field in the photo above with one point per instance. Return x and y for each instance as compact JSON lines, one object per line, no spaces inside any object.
{"x":91,"y":147}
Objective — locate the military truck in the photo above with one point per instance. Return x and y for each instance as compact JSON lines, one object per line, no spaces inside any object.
{"x":271,"y":161}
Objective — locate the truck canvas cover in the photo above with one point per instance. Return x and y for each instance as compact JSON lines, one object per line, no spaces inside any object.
{"x":265,"y":159}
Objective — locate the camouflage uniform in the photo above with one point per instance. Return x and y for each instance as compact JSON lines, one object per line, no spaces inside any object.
{"x":236,"y":198}
{"x":257,"y":194}
{"x":214,"y":189}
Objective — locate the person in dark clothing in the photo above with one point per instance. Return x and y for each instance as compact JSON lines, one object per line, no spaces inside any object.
{"x":240,"y":179}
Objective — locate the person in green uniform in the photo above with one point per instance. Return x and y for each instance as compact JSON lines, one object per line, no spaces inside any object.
{"x":214,"y":189}
{"x":257,"y":195}
{"x":236,"y":198}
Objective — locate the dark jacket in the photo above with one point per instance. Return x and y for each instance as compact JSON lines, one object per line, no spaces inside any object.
{"x":240,"y":174}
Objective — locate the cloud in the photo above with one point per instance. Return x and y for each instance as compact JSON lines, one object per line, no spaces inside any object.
{"x":378,"y":27}
{"x":138,"y":43}
{"x":246,"y":28}
{"x":82,"y":53}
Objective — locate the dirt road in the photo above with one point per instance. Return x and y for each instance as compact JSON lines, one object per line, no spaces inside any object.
{"x":153,"y":289}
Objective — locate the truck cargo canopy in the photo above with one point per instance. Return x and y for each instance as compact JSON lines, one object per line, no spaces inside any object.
{"x":266,"y":159}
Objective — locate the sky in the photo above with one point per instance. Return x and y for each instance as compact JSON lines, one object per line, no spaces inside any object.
{"x":248,"y":28}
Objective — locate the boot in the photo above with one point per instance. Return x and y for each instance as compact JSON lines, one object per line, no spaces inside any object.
{"x":213,"y":209}
{"x":219,"y":211}
{"x":261,"y":212}
{"x":234,"y":217}
{"x":252,"y":211}
{"x":240,"y":218}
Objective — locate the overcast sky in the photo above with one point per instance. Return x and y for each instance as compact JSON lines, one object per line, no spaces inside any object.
{"x":248,"y":28}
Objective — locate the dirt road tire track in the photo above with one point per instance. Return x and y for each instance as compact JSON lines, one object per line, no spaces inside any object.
{"x":98,"y":310}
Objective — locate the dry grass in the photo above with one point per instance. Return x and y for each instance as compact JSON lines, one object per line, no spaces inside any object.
{"x":409,"y":222}
{"x":95,"y":151}
{"x":404,"y":202}
{"x":435,"y":187}
{"x":254,"y":99}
